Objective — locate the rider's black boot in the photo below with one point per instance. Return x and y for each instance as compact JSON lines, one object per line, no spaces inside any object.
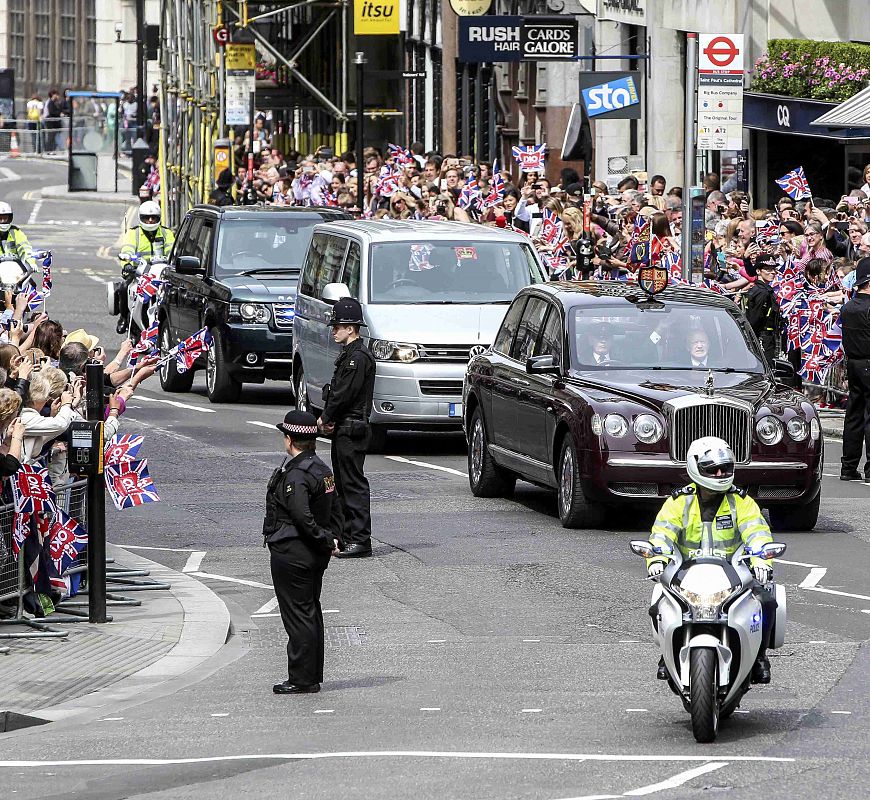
{"x":662,"y":673}
{"x":121,"y":327}
{"x":761,"y":669}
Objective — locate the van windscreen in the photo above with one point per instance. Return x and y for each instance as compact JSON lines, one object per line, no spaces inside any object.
{"x":450,"y":272}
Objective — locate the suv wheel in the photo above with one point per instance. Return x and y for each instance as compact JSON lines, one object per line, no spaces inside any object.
{"x":170,"y":379}
{"x":575,"y":510}
{"x":220,"y":385}
{"x":486,"y":478}
{"x":301,"y":391}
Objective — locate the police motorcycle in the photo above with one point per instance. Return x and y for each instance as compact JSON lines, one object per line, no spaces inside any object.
{"x":707,"y":623}
{"x":137,"y":311}
{"x":15,"y":276}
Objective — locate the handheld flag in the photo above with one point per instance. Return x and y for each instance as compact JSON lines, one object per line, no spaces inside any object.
{"x":795,"y":185}
{"x":130,"y":484}
{"x":530,"y":158}
{"x":122,"y":449}
{"x":400,"y":155}
{"x":187,"y":351}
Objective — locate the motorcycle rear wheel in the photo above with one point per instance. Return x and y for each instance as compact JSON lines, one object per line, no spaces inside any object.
{"x":703,"y":689}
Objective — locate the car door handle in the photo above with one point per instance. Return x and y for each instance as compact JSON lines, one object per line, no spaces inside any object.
{"x":520,"y":381}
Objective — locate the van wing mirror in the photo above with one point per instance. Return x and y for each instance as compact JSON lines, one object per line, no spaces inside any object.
{"x":333,"y":292}
{"x":543,"y":365}
{"x":188,"y":265}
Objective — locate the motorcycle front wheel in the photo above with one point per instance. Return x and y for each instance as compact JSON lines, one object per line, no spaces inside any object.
{"x":703,"y":689}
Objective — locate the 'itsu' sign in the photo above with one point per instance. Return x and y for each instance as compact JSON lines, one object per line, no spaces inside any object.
{"x":500,"y":38}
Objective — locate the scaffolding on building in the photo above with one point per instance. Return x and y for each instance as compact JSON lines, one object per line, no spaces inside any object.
{"x":302,"y":75}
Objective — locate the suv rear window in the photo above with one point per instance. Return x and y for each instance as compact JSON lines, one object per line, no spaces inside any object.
{"x":267,"y":244}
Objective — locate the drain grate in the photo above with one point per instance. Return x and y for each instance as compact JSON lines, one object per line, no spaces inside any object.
{"x":13,"y":721}
{"x":344,"y":636}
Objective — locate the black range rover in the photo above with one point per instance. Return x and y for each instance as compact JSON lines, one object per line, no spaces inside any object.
{"x":235,"y":270}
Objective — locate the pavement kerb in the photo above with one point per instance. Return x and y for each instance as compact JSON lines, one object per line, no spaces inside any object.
{"x":834,"y":433}
{"x":62,"y":192}
{"x":204,"y":633}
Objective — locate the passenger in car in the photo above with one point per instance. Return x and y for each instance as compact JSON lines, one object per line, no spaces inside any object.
{"x":597,"y":347}
{"x":698,"y":345}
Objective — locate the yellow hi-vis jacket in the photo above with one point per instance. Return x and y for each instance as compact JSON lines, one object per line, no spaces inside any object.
{"x":15,"y":243}
{"x":738,"y":521}
{"x":147,"y":245}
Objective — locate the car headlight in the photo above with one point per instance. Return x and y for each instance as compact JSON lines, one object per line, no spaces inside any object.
{"x":616,"y":425}
{"x":815,"y":428}
{"x":648,"y":429}
{"x":250,"y":312}
{"x":383,"y":350}
{"x":769,"y":430}
{"x":798,"y":429}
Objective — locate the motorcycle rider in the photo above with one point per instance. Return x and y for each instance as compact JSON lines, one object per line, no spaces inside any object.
{"x":711,"y":513}
{"x":14,"y":241}
{"x":149,"y":239}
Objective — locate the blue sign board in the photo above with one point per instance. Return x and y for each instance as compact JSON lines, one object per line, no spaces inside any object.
{"x":611,"y":96}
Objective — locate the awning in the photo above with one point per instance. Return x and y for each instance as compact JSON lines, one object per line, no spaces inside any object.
{"x":851,"y":113}
{"x":798,"y":116}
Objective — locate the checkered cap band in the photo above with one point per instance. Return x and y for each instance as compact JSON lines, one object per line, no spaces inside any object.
{"x":298,"y":428}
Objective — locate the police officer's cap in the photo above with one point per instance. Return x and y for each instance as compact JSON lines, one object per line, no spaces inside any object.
{"x":862,"y":271}
{"x":346,"y":311}
{"x":764,"y":261}
{"x":299,"y":425}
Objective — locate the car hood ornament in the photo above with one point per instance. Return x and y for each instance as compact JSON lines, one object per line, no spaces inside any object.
{"x":709,"y":383}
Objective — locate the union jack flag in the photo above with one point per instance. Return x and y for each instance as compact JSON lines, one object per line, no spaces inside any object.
{"x":188,"y":350}
{"x":147,"y":287}
{"x":558,"y":265}
{"x":496,"y":190}
{"x":551,"y":227}
{"x":400,"y":155}
{"x":146,"y":346}
{"x":768,"y":234}
{"x":331,"y":199}
{"x":34,"y":299}
{"x":31,"y":489}
{"x":123,"y":448}
{"x":67,"y":538}
{"x":470,"y":194}
{"x":130,"y":484}
{"x":45,"y":257}
{"x":795,"y":185}
{"x":387,"y":183}
{"x":419,"y":260}
{"x":531,"y":158}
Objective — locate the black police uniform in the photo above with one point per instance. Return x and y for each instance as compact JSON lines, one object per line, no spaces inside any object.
{"x":855,"y":322}
{"x":762,"y":313}
{"x":302,"y":520}
{"x":348,"y":405}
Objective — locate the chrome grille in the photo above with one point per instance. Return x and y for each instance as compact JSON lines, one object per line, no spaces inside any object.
{"x":635,"y":489}
{"x":444,"y":388}
{"x":441,"y":353}
{"x":283,"y":314}
{"x":692,"y":418}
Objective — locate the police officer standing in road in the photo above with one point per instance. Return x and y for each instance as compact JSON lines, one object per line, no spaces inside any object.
{"x":302,"y":529}
{"x":347,"y":405}
{"x":855,"y":322}
{"x":762,"y":309}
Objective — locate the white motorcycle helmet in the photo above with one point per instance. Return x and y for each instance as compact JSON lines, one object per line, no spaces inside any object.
{"x":5,"y":217}
{"x":710,"y":463}
{"x":149,"y":216}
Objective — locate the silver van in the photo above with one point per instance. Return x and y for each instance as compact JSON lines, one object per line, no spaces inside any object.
{"x":433,"y":295}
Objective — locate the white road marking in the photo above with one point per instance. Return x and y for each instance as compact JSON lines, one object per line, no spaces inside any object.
{"x":111,"y":719}
{"x":220,"y":715}
{"x":817,"y":641}
{"x":531,"y":710}
{"x":98,"y":279}
{"x":147,"y":547}
{"x":866,"y":611}
{"x":324,"y":711}
{"x":841,"y":712}
{"x":637,"y":709}
{"x":331,"y":611}
{"x":261,"y":424}
{"x":740,"y":711}
{"x":31,"y":220}
{"x":423,"y":754}
{"x":816,"y":574}
{"x":261,"y":616}
{"x":176,"y":404}
{"x":267,"y":607}
{"x":435,"y":641}
{"x":676,"y":780}
{"x":796,"y":563}
{"x":595,"y":797}
{"x":531,"y":641}
{"x":255,"y":584}
{"x":839,"y":594}
{"x":629,"y":641}
{"x":194,"y":561}
{"x":427,"y":465}
{"x":430,"y":708}
{"x":10,"y":175}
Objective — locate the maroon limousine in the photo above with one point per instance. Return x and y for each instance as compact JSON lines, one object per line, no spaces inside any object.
{"x":596,"y":390}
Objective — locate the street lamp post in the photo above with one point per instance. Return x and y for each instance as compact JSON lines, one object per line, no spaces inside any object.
{"x":360,"y":60}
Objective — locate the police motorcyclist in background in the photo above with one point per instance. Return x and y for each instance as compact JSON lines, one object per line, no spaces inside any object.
{"x":711,"y":513}
{"x":302,"y":528}
{"x":14,"y":242}
{"x":347,"y":406}
{"x":149,"y":239}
